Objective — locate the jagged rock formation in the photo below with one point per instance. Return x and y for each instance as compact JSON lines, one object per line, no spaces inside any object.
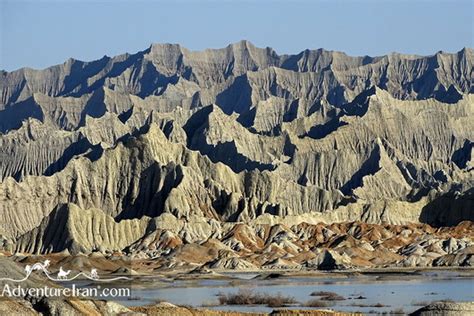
{"x":169,"y":147}
{"x":172,"y":243}
{"x":320,"y":246}
{"x":264,"y":243}
{"x":75,"y":230}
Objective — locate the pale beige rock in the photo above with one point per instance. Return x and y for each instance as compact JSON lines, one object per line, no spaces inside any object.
{"x":185,"y":146}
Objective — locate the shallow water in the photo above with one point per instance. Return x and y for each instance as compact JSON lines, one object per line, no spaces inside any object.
{"x":394,"y":291}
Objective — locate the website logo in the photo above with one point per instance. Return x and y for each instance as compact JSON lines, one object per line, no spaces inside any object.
{"x":63,"y":275}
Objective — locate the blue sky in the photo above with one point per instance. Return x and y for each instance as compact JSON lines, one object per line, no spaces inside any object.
{"x":41,"y":33}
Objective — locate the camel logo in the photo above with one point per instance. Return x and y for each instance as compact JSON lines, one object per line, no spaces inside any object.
{"x":63,"y":275}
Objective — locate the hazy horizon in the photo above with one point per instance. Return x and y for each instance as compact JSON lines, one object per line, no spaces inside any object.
{"x":44,"y":33}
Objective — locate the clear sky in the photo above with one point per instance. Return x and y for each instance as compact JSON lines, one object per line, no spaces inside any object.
{"x":39,"y":33}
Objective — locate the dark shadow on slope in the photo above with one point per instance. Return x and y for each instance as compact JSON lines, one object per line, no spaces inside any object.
{"x":463,"y":155}
{"x":383,"y":79}
{"x":152,"y":82}
{"x":79,"y":73}
{"x":419,"y":191}
{"x":360,"y":105}
{"x":449,"y":209}
{"x":237,"y":97}
{"x":124,"y":116}
{"x":80,"y":147}
{"x":145,"y":81}
{"x":16,"y":93}
{"x":95,"y":153}
{"x":274,"y":132}
{"x":13,"y":116}
{"x":56,"y":235}
{"x":336,"y":97}
{"x":289,"y":148}
{"x":223,"y":204}
{"x":369,"y":167}
{"x":195,"y":101}
{"x":292,"y":112}
{"x":316,"y":107}
{"x":95,"y":107}
{"x":78,"y":81}
{"x":420,"y":181}
{"x":154,"y":186}
{"x":427,"y":84}
{"x":318,"y":60}
{"x":118,"y":67}
{"x":327,"y":261}
{"x":247,"y":118}
{"x":195,"y":122}
{"x":450,"y":96}
{"x":323,"y":130}
{"x":291,"y":63}
{"x":278,"y":91}
{"x":225,"y":152}
{"x":425,"y":80}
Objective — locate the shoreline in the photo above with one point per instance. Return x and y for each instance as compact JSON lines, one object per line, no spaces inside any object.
{"x":282,"y":273}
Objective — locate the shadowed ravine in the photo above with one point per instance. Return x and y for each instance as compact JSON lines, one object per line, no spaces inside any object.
{"x":241,"y":158}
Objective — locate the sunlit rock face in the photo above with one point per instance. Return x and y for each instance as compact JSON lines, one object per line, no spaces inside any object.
{"x":170,"y":147}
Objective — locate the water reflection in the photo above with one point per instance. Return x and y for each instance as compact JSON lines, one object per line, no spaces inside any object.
{"x":395,"y":291}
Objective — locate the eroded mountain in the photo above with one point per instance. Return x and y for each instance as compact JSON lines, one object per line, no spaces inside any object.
{"x":228,"y":137}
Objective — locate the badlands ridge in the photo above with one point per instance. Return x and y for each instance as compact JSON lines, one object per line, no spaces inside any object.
{"x":240,"y":158}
